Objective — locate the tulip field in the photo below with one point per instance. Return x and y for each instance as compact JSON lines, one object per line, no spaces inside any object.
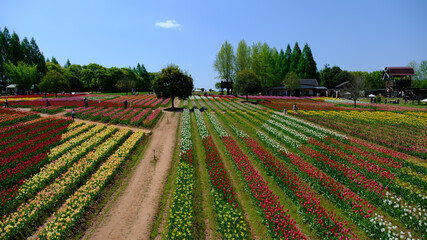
{"x":334,"y":173}
{"x":53,"y":169}
{"x":242,"y":170}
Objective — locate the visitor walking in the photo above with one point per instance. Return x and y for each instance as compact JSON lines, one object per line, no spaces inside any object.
{"x":295,"y":108}
{"x":47,"y":103}
{"x":6,"y":104}
{"x":72,"y":114}
{"x":86,"y":102}
{"x":126,"y":104}
{"x":284,"y":111}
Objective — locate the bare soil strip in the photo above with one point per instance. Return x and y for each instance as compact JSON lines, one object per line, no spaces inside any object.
{"x":130,"y":216}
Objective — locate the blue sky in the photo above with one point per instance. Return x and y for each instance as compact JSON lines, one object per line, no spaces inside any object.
{"x":363,"y":35}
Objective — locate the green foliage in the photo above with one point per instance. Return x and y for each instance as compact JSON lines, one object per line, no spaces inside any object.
{"x":225,"y":62}
{"x":127,"y":81}
{"x":295,"y":57}
{"x":330,"y":77}
{"x":356,"y":85}
{"x":54,"y":81}
{"x":307,"y":68}
{"x":291,"y":82}
{"x":22,"y":74}
{"x":373,"y":79}
{"x":13,"y":51}
{"x":419,"y":69}
{"x":271,"y":65}
{"x":247,"y":82}
{"x":72,"y":73}
{"x":95,"y":77}
{"x":143,"y":82}
{"x":53,"y":60}
{"x":243,"y":56}
{"x":173,"y":82}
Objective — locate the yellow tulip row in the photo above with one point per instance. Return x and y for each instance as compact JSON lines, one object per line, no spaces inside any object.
{"x":51,"y":170}
{"x":63,"y":220}
{"x":20,"y":99}
{"x":75,"y":129}
{"x":30,"y":210}
{"x":376,"y":116}
{"x":59,"y":150}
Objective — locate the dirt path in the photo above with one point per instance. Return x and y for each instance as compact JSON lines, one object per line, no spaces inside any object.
{"x":130,"y":216}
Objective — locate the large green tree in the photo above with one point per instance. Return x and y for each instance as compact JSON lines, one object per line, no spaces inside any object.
{"x":72,"y":73}
{"x":15,"y":53}
{"x":143,"y":82}
{"x":172,"y":82}
{"x":95,"y":77}
{"x":127,"y":81}
{"x":225,"y":62}
{"x":54,"y":81}
{"x":330,"y":77}
{"x":307,"y":66}
{"x":291,"y":82}
{"x":243,"y":56}
{"x":247,"y":82}
{"x":356,"y":86}
{"x":295,"y":57}
{"x":22,"y":74}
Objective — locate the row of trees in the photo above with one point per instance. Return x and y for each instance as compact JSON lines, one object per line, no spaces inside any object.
{"x":22,"y":63}
{"x":94,"y":77}
{"x":21,"y":54}
{"x":270,"y":65}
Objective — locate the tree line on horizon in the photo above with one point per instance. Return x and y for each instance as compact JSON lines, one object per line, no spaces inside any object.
{"x":273,"y":68}
{"x":22,"y":63}
{"x":270,"y":65}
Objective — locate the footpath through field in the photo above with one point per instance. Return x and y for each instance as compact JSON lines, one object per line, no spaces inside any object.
{"x":130,"y":216}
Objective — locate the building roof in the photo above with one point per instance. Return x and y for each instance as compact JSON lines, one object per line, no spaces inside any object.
{"x":341,"y":84}
{"x":398,"y":71}
{"x":309,"y":82}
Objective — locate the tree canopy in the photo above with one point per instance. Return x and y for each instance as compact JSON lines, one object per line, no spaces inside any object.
{"x":268,"y":63}
{"x":22,"y":74}
{"x":54,"y":82}
{"x":291,"y":82}
{"x":247,"y":82}
{"x":355,"y":86}
{"x":172,"y":82}
{"x":224,"y":62}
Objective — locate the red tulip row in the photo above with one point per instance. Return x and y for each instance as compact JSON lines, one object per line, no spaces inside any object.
{"x":326,"y":223}
{"x":230,"y":220}
{"x":21,"y":132}
{"x":278,"y":221}
{"x":31,"y":143}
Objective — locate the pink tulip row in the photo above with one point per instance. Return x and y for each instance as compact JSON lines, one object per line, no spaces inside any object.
{"x":152,"y":118}
{"x":138,"y":118}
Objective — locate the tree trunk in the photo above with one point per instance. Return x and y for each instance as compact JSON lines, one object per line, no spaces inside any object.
{"x":172,"y":103}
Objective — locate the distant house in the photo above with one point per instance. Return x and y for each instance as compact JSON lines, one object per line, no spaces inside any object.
{"x":307,"y":87}
{"x":397,"y":79}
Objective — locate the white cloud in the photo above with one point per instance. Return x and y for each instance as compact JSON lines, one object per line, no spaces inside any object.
{"x":168,"y":24}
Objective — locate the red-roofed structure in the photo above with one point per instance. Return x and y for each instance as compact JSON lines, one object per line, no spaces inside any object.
{"x":397,"y":78}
